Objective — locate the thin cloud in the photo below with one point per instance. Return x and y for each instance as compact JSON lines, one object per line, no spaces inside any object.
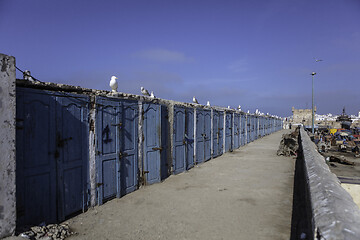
{"x":162,"y":55}
{"x":238,"y":66}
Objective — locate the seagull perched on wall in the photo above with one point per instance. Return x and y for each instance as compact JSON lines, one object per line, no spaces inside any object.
{"x":257,"y":111}
{"x":248,"y":111}
{"x":195,"y":100}
{"x":228,"y":107}
{"x":239,"y":108}
{"x":27,"y":75}
{"x":152,"y":94}
{"x":208,"y":103}
{"x":144,"y":92}
{"x":113,"y":84}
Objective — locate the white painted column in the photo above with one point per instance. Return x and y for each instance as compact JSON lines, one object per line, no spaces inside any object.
{"x":224,"y":133}
{"x":141,"y":176}
{"x":195,"y":162}
{"x":212,"y":134}
{"x":92,"y":152}
{"x":7,"y":145}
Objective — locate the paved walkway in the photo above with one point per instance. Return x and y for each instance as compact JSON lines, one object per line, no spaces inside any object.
{"x":246,"y":194}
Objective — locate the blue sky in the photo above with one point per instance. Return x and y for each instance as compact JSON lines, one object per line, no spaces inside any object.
{"x":256,"y":53}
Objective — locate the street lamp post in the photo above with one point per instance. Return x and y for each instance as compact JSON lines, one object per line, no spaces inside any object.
{"x":313,"y":115}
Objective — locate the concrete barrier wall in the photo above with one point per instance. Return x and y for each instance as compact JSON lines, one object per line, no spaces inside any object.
{"x":334,"y":213}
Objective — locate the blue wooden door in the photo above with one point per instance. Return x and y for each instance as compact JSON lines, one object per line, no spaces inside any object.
{"x":243,"y":129}
{"x":189,"y":138}
{"x":72,"y":143}
{"x":164,"y":142}
{"x":200,"y":134}
{"x":221,"y":133}
{"x":215,"y":133}
{"x":117,"y":135}
{"x":236,"y":130}
{"x":228,"y":132}
{"x":36,"y":191}
{"x":253,"y":122}
{"x":207,"y":135}
{"x":108,"y":148}
{"x":179,"y":158}
{"x":152,"y":143}
{"x":248,"y":130}
{"x":52,"y":155}
{"x":128,"y":155}
{"x":256,"y":124}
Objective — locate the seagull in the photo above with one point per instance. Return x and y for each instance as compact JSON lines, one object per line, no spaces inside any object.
{"x":318,"y":60}
{"x":113,"y":84}
{"x":239,"y":108}
{"x":208,"y":103}
{"x":228,"y":107}
{"x":257,"y":111}
{"x":27,"y":75}
{"x":152,"y":94}
{"x":248,"y":111}
{"x":195,"y":100}
{"x":144,"y":91}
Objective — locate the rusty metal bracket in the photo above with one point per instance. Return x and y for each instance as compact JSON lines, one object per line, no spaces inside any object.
{"x":157,"y":148}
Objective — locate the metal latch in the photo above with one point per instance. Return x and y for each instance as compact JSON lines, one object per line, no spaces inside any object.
{"x":157,"y":148}
{"x":121,"y":154}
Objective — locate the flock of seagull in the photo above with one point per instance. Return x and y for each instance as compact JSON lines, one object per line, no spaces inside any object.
{"x":114,"y":86}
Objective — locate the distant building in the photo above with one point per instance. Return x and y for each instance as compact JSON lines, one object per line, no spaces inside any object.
{"x":302,"y":116}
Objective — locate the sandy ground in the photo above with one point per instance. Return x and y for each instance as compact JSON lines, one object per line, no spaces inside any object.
{"x":246,"y":194}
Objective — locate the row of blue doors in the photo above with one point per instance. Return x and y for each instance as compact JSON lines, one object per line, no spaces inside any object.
{"x":51,"y":155}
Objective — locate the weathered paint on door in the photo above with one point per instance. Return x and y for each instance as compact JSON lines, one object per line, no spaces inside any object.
{"x":236,"y":131}
{"x":221,"y":133}
{"x":152,"y":143}
{"x":215,"y":133}
{"x":200,"y":135}
{"x":129,"y":119}
{"x":164,"y":142}
{"x":248,"y":128}
{"x":207,"y":134}
{"x":72,"y":142}
{"x":256,"y":128}
{"x":36,"y":174}
{"x":179,"y":153}
{"x":189,"y":138}
{"x":228,"y":132}
{"x":108,"y":149}
{"x":243,"y":129}
{"x":117,"y":134}
{"x":52,"y":153}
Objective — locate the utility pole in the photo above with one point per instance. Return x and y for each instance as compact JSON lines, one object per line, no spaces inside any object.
{"x":313,"y":115}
